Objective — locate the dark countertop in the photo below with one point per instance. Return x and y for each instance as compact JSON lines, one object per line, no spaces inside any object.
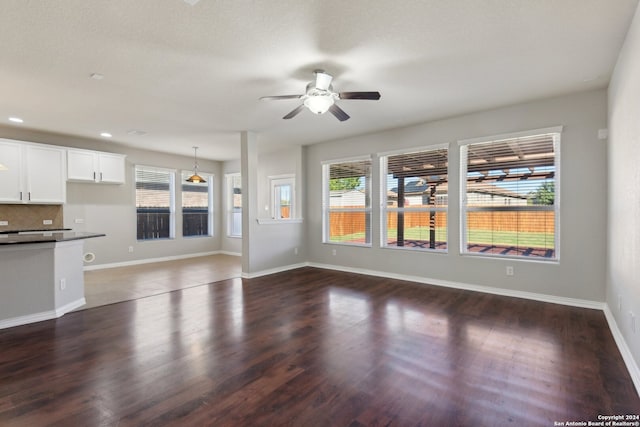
{"x":46,"y":236}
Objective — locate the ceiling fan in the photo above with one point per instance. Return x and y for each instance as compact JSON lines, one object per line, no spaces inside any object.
{"x":320,"y":97}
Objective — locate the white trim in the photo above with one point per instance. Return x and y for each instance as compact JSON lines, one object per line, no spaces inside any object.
{"x":282,"y":176}
{"x":632,"y":366}
{"x":442,"y":146}
{"x":44,"y":315}
{"x":573,"y":302}
{"x":556,"y":131}
{"x":273,"y":270}
{"x":151,"y":260}
{"x":270,"y":221}
{"x":70,"y":307}
{"x":347,"y":159}
{"x":228,"y":253}
{"x":522,"y":134}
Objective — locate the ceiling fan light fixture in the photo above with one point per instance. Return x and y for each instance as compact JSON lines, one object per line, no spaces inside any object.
{"x":195,"y":178}
{"x":319,"y":104}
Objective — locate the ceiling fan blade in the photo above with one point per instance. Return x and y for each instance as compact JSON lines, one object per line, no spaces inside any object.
{"x":294,"y":112}
{"x":281,"y":97}
{"x":323,"y":80}
{"x":360,"y":95}
{"x":339,"y":113}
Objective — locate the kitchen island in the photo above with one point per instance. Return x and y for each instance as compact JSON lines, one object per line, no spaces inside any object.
{"x":41,"y":275}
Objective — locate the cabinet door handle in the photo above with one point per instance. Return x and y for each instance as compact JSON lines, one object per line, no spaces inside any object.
{"x":94,"y":176}
{"x":100,"y":176}
{"x":21,"y":195}
{"x":29,"y":195}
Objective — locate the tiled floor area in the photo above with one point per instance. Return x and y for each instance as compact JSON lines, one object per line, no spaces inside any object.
{"x":111,"y":285}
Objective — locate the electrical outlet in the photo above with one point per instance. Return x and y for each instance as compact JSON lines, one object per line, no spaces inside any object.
{"x":295,"y":251}
{"x":79,"y":221}
{"x":130,"y":249}
{"x":63,"y":284}
{"x":509,"y":270}
{"x":333,"y":252}
{"x":47,"y":221}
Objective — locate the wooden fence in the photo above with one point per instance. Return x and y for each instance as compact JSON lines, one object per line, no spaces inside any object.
{"x":343,"y":223}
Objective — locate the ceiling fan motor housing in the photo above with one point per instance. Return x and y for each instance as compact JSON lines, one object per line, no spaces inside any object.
{"x":318,"y":101}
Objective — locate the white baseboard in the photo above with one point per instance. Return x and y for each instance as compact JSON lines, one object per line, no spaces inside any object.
{"x":574,"y":302}
{"x":152,"y":260}
{"x":632,"y":366}
{"x":273,"y":270}
{"x":229,"y":253}
{"x":70,"y":307}
{"x":44,"y":315}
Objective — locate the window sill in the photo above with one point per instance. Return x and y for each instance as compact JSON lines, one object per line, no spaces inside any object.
{"x":270,"y":221}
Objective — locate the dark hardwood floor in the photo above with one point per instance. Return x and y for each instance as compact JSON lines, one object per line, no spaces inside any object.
{"x":315,"y":347}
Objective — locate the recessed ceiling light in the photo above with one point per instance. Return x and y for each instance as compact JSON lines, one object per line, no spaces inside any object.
{"x":106,"y":134}
{"x":16,"y":120}
{"x":97,"y":76}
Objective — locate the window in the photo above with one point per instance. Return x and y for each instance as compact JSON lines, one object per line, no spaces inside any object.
{"x":155,"y":206}
{"x":197,"y":206}
{"x":234,"y":205}
{"x":282,"y":195}
{"x":509,"y":195}
{"x":347,"y":202}
{"x":414,"y":199}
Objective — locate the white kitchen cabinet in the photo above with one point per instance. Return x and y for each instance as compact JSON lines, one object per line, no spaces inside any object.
{"x":35,"y":173}
{"x":11,"y":175}
{"x":95,"y":166}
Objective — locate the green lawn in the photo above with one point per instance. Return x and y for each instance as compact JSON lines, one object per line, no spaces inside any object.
{"x":483,"y":237}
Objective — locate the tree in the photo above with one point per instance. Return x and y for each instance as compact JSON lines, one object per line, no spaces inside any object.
{"x":543,"y":195}
{"x":344,"y":183}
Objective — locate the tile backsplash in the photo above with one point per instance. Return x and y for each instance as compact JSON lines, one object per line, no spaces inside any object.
{"x":30,"y":217}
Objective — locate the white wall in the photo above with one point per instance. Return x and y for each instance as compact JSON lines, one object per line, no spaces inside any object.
{"x":580,"y":273}
{"x":273,"y":244}
{"x":623,"y":258}
{"x":110,"y":209}
{"x":278,"y":241}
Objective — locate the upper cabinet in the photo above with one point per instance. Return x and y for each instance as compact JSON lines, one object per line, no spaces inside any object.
{"x":32,"y":173}
{"x":95,"y":166}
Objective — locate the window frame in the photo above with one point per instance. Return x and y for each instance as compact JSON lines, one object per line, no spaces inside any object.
{"x":229,"y":207}
{"x":171,"y":173}
{"x":326,"y":203}
{"x":210,"y":178}
{"x":276,"y":181}
{"x":556,"y":131}
{"x":385,"y":209}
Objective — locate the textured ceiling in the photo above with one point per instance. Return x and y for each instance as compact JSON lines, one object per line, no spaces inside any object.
{"x":192,"y":75}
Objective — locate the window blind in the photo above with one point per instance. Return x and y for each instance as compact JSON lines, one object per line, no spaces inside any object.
{"x":197,"y":206}
{"x":509,"y":196}
{"x":154,"y":203}
{"x":347,"y":205}
{"x":415,"y":195}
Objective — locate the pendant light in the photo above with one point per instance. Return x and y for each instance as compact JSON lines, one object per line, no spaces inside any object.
{"x":195,"y":178}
